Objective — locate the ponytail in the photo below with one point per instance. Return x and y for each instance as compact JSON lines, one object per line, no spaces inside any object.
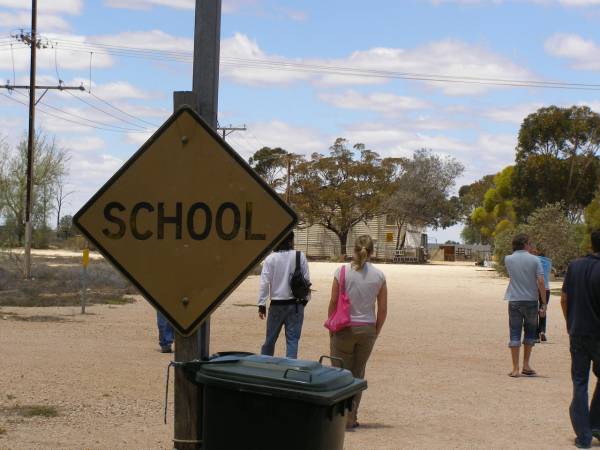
{"x":363,"y":249}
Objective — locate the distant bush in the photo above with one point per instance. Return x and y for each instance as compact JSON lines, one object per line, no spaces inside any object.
{"x":549,"y":231}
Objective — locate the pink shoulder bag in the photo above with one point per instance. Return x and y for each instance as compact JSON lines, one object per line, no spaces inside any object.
{"x":341,"y":316}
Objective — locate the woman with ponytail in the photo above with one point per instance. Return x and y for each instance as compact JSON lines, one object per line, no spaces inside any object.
{"x":365,"y":286}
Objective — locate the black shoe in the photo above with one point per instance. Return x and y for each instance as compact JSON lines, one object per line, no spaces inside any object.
{"x":578,"y":444}
{"x":596,"y":433}
{"x":166,"y":349}
{"x":543,"y":337}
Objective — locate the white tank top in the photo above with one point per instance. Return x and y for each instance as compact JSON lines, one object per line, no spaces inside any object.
{"x":362,"y":287}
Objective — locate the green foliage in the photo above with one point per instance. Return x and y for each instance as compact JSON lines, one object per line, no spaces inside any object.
{"x":591,"y":216}
{"x":50,"y":165}
{"x":471,"y":195}
{"x":342,"y":189}
{"x":65,"y":227}
{"x":270,"y":164}
{"x":557,"y":159}
{"x":421,"y":192}
{"x":497,"y":212}
{"x":549,"y":231}
{"x":471,"y":234}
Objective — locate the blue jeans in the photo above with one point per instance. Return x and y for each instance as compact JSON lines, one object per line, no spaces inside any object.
{"x":522,"y":316}
{"x":290,"y":316}
{"x":165,"y":330}
{"x":584,"y":351}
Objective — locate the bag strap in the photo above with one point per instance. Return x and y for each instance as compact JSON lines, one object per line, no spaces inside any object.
{"x":343,"y":279}
{"x":297,"y":261}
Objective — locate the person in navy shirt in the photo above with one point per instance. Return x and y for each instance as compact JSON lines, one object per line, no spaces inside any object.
{"x":580,"y":302}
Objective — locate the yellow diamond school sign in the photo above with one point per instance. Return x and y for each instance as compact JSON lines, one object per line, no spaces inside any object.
{"x":185,"y":220}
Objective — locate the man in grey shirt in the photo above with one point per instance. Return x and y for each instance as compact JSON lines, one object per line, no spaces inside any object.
{"x":526,"y":285}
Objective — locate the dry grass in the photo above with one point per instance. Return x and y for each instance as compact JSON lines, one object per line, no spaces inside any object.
{"x":33,"y":410}
{"x":57,"y":282}
{"x":37,"y":318}
{"x":2,"y":431}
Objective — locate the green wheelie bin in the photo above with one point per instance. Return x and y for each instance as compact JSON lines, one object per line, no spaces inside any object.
{"x":255,"y":402}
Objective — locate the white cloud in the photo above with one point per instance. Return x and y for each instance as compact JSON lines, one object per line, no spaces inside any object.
{"x":383,"y":102}
{"x":483,"y":154}
{"x":300,"y":140}
{"x":512,"y":114}
{"x":227,"y":7}
{"x":58,"y":57}
{"x":88,"y":171}
{"x":46,"y":22}
{"x":85,"y":144}
{"x":446,"y":57}
{"x":119,"y":90}
{"x":241,"y":46}
{"x":515,"y":114}
{"x":583,"y":53}
{"x":137,"y":139}
{"x":53,"y":6}
{"x":147,"y":4}
{"x":151,"y":40}
{"x":577,"y":3}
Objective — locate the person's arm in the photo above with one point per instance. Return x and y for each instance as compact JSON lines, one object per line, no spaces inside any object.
{"x":381,"y":308}
{"x":305,"y":271}
{"x":335,"y":290}
{"x":564,"y":304}
{"x":541,"y":286}
{"x":542,"y":292}
{"x":564,"y":300}
{"x":263,"y":294}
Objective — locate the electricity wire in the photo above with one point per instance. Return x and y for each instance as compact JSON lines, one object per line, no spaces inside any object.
{"x":71,"y":120}
{"x":327,"y":69}
{"x":91,"y":105}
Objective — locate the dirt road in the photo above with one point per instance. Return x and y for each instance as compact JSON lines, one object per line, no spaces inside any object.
{"x":437,"y":379}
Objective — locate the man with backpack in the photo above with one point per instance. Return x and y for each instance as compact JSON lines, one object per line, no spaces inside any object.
{"x":285,"y":280}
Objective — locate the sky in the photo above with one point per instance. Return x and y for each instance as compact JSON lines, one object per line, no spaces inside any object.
{"x":130,"y":55}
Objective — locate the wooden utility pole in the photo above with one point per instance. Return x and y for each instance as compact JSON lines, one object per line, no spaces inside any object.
{"x":289,"y":179}
{"x":187,"y":434}
{"x":30,"y":141}
{"x":226,"y":131}
{"x":204,"y":99}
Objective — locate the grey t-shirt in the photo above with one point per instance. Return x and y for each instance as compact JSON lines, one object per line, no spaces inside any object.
{"x":362,"y":287}
{"x":523,"y":270}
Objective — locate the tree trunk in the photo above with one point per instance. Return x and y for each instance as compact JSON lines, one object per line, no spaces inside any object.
{"x":343,"y":243}
{"x":399,"y":225}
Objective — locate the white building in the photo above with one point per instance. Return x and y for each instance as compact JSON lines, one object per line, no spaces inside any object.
{"x":320,"y":243}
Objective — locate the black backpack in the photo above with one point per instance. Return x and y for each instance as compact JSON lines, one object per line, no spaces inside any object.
{"x":300,"y":285}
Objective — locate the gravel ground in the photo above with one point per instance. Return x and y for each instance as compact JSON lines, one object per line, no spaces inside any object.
{"x":437,"y":378}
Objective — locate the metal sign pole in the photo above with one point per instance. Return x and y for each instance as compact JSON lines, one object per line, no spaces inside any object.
{"x":85,"y":260}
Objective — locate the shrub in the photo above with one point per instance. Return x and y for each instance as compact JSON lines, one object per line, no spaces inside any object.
{"x":550,"y":231}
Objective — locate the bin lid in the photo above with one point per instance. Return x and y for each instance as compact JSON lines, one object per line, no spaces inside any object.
{"x":292,"y":378}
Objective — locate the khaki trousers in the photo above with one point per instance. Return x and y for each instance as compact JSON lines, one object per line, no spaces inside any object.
{"x":354,"y":345}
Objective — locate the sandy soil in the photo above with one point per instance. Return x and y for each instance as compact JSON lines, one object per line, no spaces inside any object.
{"x":438,"y":376}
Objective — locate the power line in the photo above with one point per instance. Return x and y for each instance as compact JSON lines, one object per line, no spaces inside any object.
{"x":91,"y":105}
{"x":121,"y":111}
{"x":70,"y":120}
{"x":328,"y":69}
{"x":95,"y":122}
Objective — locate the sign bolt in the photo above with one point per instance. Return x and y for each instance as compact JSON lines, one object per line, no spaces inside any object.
{"x":185,"y":301}
{"x":184,"y":140}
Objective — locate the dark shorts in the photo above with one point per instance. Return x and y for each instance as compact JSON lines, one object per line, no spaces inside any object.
{"x":522,"y":316}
